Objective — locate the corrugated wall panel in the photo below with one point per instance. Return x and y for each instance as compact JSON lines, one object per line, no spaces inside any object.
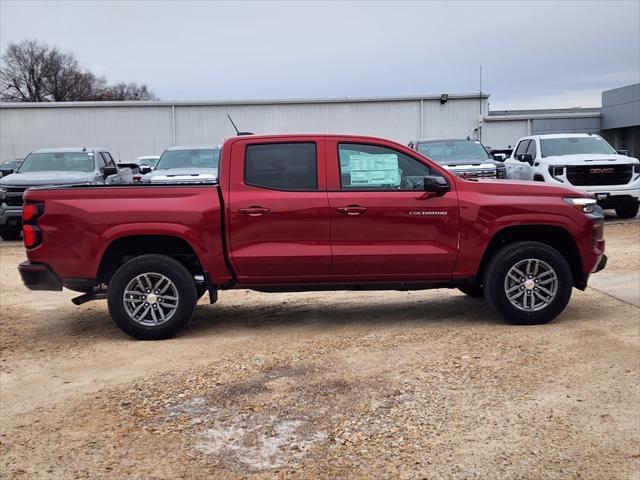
{"x":501,"y":134}
{"x":453,"y":119}
{"x":127,"y":132}
{"x":395,"y":120}
{"x":130,"y":131}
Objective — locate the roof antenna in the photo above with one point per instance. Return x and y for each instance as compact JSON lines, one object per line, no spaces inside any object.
{"x":238,"y":132}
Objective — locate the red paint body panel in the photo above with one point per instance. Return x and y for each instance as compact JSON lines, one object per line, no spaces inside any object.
{"x":286,"y":237}
{"x":78,"y":224}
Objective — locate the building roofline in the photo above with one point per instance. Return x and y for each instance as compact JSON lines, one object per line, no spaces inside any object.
{"x":188,"y":103}
{"x":543,"y":114}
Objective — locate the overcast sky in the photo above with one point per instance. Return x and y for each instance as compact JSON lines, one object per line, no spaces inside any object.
{"x":534,"y":54}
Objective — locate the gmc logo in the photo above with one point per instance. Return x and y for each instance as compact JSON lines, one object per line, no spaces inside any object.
{"x":601,"y":170}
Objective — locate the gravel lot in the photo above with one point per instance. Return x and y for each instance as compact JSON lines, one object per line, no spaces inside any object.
{"x":384,"y":384}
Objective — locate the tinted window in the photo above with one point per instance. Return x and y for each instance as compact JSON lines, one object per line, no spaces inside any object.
{"x":369,"y":167}
{"x":522,"y":147}
{"x":108,"y":159}
{"x":449,"y":150}
{"x":532,"y":148}
{"x":552,"y":147}
{"x":282,"y":166}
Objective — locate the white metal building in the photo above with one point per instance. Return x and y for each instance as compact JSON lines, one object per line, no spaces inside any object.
{"x":132,"y":129}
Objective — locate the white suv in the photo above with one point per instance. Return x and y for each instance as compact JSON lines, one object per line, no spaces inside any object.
{"x":582,"y":160}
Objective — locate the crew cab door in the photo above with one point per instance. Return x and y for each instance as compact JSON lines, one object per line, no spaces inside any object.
{"x":278,"y":211}
{"x":384,"y":226}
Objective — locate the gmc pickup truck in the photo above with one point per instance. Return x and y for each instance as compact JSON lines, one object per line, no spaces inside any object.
{"x":311,"y":212}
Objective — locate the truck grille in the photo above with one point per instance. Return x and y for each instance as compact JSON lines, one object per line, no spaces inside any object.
{"x":473,"y":171}
{"x":584,"y":175}
{"x":14,"y":196}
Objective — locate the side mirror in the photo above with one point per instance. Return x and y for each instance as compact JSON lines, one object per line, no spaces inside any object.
{"x":108,"y":171}
{"x":145,"y":169}
{"x":624,"y":152}
{"x":526,"y":157}
{"x":500,"y":157}
{"x":6,"y":172}
{"x":436,"y":184}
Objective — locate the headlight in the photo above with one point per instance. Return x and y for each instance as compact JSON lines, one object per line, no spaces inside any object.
{"x":585,"y":205}
{"x":636,"y":168}
{"x":3,"y":193}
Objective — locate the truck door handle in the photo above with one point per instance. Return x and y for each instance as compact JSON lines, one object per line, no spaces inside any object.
{"x":352,"y":209}
{"x":254,"y":211}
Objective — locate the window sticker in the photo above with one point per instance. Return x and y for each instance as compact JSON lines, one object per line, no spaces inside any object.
{"x":366,"y":169}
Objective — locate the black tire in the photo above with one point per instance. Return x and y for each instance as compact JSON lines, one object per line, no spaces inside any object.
{"x":10,"y":235}
{"x":474,"y":291}
{"x":182,"y":282}
{"x":508,"y":257}
{"x":628,"y":210}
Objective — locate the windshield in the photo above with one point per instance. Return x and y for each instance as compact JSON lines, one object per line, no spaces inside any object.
{"x":553,"y":147}
{"x":147,"y":162}
{"x":200,"y":158}
{"x":58,"y":162}
{"x":10,"y":164}
{"x":449,"y":150}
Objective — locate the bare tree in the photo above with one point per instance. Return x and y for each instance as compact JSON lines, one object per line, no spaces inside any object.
{"x":33,"y":72}
{"x":22,"y":73}
{"x":127,"y":91}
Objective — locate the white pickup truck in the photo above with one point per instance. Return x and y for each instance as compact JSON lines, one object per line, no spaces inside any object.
{"x":581,"y":160}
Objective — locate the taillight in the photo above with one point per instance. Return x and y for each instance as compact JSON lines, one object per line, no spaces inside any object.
{"x":31,"y":211}
{"x":31,"y":233}
{"x":31,"y":236}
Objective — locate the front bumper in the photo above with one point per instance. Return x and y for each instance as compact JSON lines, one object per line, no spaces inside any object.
{"x":39,"y":276}
{"x":10,"y":218}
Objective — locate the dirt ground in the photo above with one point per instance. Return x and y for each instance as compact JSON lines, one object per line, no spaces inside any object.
{"x":335,"y":385}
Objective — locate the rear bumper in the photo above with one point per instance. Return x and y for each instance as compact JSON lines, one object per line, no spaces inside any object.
{"x":39,"y":276}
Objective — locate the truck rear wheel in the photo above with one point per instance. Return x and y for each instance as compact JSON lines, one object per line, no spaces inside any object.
{"x":528,"y":283}
{"x":152,"y":297}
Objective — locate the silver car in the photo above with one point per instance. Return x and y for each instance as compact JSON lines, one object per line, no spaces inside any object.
{"x":196,"y":163}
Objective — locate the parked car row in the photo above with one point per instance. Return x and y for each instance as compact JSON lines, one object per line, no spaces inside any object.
{"x":585,"y":161}
{"x":95,"y":166}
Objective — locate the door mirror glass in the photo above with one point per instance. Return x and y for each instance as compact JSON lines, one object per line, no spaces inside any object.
{"x":436,"y":184}
{"x":108,"y":171}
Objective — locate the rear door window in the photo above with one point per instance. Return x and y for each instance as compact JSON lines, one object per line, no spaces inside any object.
{"x":282,"y":166}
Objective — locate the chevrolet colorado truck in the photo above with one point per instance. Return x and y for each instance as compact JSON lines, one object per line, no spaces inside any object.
{"x":581,"y":160}
{"x":311,"y":212}
{"x":53,"y":166}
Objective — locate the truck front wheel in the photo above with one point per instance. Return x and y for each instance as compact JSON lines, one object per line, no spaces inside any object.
{"x":528,"y":283}
{"x":152,"y":297}
{"x":628,"y":210}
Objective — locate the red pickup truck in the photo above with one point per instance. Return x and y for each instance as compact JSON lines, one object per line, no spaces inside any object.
{"x":311,"y":212}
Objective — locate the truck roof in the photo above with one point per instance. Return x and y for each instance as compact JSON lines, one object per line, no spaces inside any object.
{"x":464,"y":139}
{"x":562,"y":135}
{"x":69,"y":150}
{"x":192,"y":147}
